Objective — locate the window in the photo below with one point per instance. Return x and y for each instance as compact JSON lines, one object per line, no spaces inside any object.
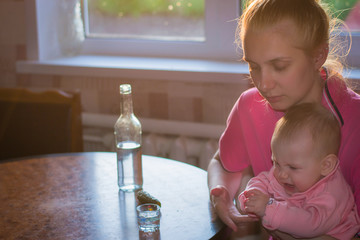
{"x":348,"y":11}
{"x":55,"y":29}
{"x":167,"y":20}
{"x":161,"y":28}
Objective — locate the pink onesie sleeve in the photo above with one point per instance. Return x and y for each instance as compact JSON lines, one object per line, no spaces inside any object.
{"x":310,"y":219}
{"x":260,"y":182}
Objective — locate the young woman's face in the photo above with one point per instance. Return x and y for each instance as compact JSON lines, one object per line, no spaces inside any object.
{"x":297,"y":167}
{"x":282,"y":72}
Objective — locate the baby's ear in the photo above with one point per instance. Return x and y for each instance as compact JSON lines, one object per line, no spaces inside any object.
{"x":328,"y":164}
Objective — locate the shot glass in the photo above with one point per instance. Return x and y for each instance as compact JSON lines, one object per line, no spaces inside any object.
{"x":148,"y":217}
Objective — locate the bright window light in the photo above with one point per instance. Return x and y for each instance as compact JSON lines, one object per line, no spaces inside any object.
{"x":168,"y":20}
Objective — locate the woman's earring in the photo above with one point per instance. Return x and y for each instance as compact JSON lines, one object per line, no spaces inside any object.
{"x":319,"y":58}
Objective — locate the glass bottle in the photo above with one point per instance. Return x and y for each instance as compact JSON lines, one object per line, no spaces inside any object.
{"x":127,"y":132}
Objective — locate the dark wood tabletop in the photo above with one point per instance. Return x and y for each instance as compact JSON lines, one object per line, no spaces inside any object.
{"x":75,"y":196}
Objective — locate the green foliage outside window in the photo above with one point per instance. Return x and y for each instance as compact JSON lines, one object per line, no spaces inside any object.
{"x":189,"y":8}
{"x":340,"y":8}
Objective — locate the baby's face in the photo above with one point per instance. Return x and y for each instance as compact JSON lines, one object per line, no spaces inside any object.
{"x":296,"y":166}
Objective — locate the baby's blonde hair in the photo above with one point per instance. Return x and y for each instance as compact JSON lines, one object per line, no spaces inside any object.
{"x":312,"y":18}
{"x":314,"y":118}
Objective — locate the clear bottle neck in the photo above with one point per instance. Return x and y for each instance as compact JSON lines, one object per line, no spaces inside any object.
{"x":127,"y":127}
{"x":126,"y":105}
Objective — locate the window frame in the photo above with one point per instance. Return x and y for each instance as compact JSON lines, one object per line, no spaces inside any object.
{"x":220,"y":24}
{"x":353,"y":59}
{"x":220,"y":34}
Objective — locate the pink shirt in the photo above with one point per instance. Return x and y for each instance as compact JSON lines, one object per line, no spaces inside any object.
{"x":327,"y":208}
{"x":246,"y":139}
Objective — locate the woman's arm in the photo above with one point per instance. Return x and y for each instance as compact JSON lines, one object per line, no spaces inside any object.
{"x":224,"y":186}
{"x":218,"y":176}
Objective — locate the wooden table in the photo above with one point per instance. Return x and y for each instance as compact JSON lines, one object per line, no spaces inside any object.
{"x":75,"y":196}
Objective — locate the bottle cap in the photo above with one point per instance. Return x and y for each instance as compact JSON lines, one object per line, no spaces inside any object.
{"x":125,"y":88}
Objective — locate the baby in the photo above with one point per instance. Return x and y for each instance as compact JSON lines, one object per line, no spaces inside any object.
{"x":304,"y":194}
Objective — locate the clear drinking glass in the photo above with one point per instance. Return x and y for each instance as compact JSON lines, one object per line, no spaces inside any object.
{"x":148,"y":217}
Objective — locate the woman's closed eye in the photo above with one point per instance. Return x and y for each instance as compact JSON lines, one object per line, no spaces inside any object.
{"x":280,"y":67}
{"x":280,"y":64}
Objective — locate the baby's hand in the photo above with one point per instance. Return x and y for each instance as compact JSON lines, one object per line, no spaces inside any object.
{"x":256,"y":202}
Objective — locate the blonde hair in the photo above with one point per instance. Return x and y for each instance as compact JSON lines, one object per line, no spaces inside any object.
{"x":314,"y":118}
{"x":312,"y":18}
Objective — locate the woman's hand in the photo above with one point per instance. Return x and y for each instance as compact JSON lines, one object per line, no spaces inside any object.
{"x":224,"y":186}
{"x":225,"y":208}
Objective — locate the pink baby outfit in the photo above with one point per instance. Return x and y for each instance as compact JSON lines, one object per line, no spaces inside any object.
{"x":327,"y":208}
{"x":246,"y":139}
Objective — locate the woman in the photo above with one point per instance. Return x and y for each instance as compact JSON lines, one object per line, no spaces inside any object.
{"x":286,"y":45}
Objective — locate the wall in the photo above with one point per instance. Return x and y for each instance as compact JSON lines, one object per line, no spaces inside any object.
{"x":159,"y":99}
